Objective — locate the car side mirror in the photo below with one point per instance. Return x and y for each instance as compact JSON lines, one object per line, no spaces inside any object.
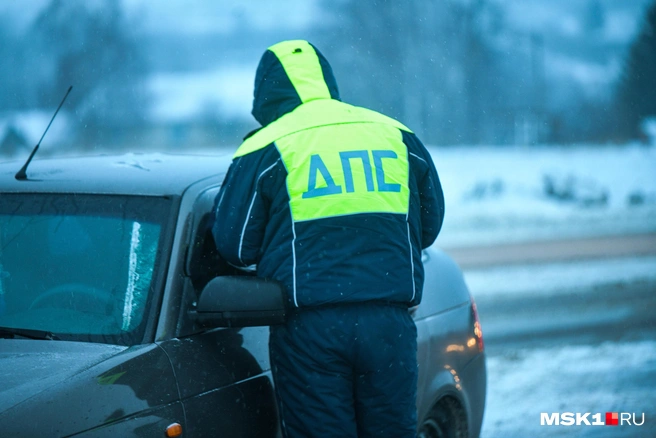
{"x":239,"y":301}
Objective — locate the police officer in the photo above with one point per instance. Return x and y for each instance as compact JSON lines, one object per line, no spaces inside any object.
{"x":336,"y":202}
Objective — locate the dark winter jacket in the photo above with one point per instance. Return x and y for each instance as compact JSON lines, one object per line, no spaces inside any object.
{"x":335,"y":201}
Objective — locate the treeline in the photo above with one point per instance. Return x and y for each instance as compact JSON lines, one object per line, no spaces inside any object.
{"x":458,"y":74}
{"x":452,"y":70}
{"x":89,"y":45}
{"x":636,"y":93}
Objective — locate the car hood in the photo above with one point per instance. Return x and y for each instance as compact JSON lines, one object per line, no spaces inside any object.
{"x":28,"y":367}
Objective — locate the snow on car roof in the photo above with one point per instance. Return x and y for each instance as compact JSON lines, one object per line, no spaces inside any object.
{"x":143,"y":174}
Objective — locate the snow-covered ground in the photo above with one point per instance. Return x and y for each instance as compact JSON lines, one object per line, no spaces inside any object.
{"x":579,"y":379}
{"x":505,"y":194}
{"x":500,"y":195}
{"x":614,"y":373}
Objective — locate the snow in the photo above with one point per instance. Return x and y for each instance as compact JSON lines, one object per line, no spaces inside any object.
{"x":649,"y":128}
{"x":513,"y":194}
{"x":526,"y":382}
{"x":501,"y":194}
{"x":33,"y":123}
{"x":226,"y":91}
{"x":559,"y":278}
{"x":133,"y":276}
{"x":596,"y":78}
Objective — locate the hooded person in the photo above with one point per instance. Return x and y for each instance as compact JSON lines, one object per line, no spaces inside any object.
{"x":336,"y":202}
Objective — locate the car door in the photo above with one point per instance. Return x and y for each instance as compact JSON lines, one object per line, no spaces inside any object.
{"x":223,"y":374}
{"x":223,"y":387}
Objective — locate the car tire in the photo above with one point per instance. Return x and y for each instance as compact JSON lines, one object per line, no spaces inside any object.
{"x":447,"y":419}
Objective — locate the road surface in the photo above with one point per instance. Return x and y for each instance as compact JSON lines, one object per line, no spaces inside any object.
{"x":554,"y":250}
{"x":570,"y":346}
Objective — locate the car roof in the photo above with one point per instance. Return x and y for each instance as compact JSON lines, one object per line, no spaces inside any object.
{"x":143,"y":174}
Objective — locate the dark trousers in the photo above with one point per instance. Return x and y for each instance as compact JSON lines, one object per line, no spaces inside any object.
{"x":346,"y":371}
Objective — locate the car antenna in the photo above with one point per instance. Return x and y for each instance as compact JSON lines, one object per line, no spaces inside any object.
{"x":21,"y":175}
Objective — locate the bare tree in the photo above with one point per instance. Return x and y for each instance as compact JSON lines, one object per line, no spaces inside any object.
{"x":89,"y":44}
{"x":425,"y":62}
{"x":637,"y":87}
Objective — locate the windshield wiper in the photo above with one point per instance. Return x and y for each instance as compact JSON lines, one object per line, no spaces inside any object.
{"x":12,"y":332}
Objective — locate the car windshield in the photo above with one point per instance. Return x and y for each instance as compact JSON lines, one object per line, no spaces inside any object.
{"x":81,"y":266}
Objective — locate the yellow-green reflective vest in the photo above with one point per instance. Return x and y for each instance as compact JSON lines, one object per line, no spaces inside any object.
{"x":354,"y":162}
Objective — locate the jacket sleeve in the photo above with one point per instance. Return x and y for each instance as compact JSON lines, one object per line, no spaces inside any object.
{"x":431,"y":195}
{"x":240,"y":213}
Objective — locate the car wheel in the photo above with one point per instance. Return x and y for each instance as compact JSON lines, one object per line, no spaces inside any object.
{"x":446,"y":420}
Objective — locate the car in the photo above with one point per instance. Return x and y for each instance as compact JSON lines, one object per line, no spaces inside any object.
{"x":119,"y":318}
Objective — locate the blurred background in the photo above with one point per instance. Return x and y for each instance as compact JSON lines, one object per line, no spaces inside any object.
{"x":540,"y":116}
{"x":178,"y":74}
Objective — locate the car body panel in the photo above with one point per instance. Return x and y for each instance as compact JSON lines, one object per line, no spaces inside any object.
{"x":179,"y":291}
{"x":145,"y":424}
{"x":130,"y":382}
{"x":213,"y":381}
{"x":28,"y":368}
{"x":222,"y":382}
{"x":135,"y":174}
{"x":445,"y":322}
{"x":473,"y":378}
{"x":218,"y":358}
{"x":246,"y":409}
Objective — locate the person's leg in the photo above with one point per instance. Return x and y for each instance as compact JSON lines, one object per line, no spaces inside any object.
{"x":313,"y":376}
{"x":386,"y":373}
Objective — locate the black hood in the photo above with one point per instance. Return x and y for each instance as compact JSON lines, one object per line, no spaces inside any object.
{"x":28,"y":368}
{"x":290,"y":73}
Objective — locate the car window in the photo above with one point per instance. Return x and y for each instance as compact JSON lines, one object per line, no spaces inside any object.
{"x":203,"y":260}
{"x":82,"y":267}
